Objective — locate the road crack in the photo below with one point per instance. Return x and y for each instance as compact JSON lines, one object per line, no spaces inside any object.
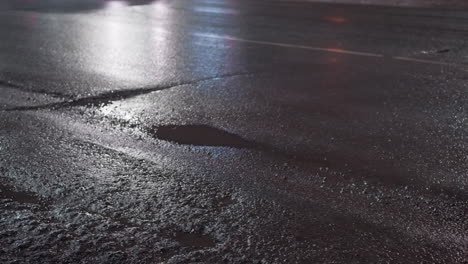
{"x":112,"y":96}
{"x":12,"y":85}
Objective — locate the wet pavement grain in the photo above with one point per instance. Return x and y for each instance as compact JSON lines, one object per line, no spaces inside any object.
{"x":232,"y":132}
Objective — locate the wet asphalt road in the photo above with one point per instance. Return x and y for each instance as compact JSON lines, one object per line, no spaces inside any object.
{"x":215,"y":131}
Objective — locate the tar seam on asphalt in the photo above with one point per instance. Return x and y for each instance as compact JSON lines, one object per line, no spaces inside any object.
{"x":12,"y":85}
{"x":108,"y":97}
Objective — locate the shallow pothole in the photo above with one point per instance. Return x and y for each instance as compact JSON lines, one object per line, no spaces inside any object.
{"x":7,"y":192}
{"x":21,"y":197}
{"x":199,"y":135}
{"x":443,"y":51}
{"x":194,"y":240}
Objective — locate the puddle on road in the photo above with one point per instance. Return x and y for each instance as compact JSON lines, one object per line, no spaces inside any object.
{"x":223,"y":201}
{"x":193,"y":240}
{"x":439,"y":51}
{"x":443,"y":50}
{"x":199,"y":135}
{"x":203,"y":135}
{"x":7,"y":192}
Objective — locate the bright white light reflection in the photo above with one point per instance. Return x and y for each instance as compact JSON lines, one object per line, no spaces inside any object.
{"x":115,"y":4}
{"x":155,"y":48}
{"x":216,"y":10}
{"x":129,"y":47}
{"x":136,"y":47}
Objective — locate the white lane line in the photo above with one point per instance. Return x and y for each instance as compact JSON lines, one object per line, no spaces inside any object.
{"x":333,"y":50}
{"x":427,"y":61}
{"x":286,"y":45}
{"x":216,"y":10}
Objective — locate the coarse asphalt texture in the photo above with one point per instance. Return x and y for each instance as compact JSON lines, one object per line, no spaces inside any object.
{"x":247,"y":131}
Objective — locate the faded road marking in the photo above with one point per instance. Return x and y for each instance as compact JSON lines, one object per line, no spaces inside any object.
{"x":427,"y":61}
{"x":333,"y":50}
{"x":286,"y":45}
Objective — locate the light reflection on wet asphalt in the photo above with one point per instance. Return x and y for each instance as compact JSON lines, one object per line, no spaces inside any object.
{"x":232,"y":131}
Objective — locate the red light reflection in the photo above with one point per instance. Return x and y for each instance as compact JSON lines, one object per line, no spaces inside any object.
{"x":336,"y":19}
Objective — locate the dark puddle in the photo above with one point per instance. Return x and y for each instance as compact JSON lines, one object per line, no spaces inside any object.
{"x":204,"y":135}
{"x":200,"y":135}
{"x":443,"y":50}
{"x":6,"y":192}
{"x":193,"y":240}
{"x":9,"y":84}
{"x":223,"y":202}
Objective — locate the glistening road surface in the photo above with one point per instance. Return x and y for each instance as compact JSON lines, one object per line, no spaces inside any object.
{"x":219,"y":131}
